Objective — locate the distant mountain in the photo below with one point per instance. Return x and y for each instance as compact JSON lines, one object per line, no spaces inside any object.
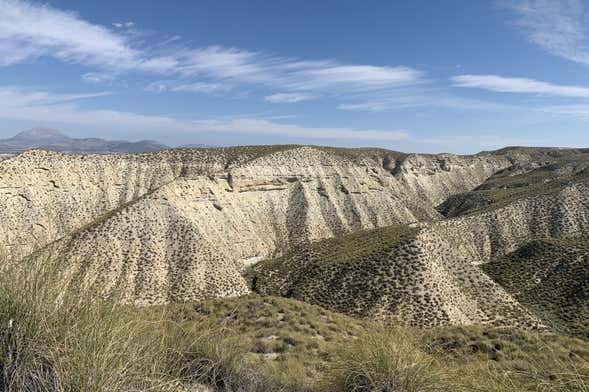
{"x":51,"y":139}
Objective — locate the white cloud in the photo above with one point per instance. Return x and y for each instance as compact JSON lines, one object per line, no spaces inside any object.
{"x":362,"y":76}
{"x":197,"y":87}
{"x":580,"y":111}
{"x":421,"y":98}
{"x":243,"y":66}
{"x":519,"y":85}
{"x":121,"y":25}
{"x":29,"y":30}
{"x":201,"y":87}
{"x":556,"y":26}
{"x":15,"y":97}
{"x":265,"y":127}
{"x":98,"y":77}
{"x":55,"y":109}
{"x":288,"y":97}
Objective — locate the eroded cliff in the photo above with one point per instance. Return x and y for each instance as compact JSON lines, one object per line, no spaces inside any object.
{"x":183,"y":224}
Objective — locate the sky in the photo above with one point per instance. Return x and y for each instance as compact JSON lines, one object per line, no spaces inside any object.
{"x":415,"y":76}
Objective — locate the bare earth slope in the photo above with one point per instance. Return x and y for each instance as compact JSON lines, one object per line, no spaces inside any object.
{"x":434,"y":278}
{"x":360,"y":231}
{"x":182,"y":224}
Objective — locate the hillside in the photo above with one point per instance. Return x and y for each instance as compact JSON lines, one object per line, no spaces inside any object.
{"x":537,"y":177}
{"x":549,"y":277}
{"x":299,"y":346}
{"x":285,"y":268}
{"x":163,"y":222}
{"x":183,"y":225}
{"x":390,"y":273}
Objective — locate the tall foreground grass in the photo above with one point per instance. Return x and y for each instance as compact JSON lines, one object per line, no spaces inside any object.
{"x":59,"y":338}
{"x":55,"y":338}
{"x":385,"y":360}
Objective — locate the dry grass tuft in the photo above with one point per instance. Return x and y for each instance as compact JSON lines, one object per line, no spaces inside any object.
{"x":384,"y":360}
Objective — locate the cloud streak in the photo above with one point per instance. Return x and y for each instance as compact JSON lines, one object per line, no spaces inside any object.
{"x":556,"y":26}
{"x":519,"y":85}
{"x":29,"y":31}
{"x":45,"y":107}
{"x":289,"y":97}
{"x":265,"y":127}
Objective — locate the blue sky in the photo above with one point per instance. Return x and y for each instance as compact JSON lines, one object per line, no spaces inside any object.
{"x":444,"y":76}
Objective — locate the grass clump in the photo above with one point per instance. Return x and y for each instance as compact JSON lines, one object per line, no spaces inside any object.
{"x":478,"y":358}
{"x":54,"y":338}
{"x":384,"y":360}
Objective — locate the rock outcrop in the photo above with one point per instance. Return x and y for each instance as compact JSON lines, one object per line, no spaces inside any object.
{"x":185,"y":224}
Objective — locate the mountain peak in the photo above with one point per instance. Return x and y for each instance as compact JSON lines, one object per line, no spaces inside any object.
{"x":51,"y":139}
{"x":43,"y":135}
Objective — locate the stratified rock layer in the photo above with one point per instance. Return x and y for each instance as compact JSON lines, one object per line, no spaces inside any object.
{"x":183,"y":225}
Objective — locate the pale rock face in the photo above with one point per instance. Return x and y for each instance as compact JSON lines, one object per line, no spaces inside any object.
{"x":479,"y":237}
{"x":438,"y":177}
{"x":46,"y":195}
{"x":180,"y":225}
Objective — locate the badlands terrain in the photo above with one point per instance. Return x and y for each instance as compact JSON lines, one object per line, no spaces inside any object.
{"x":299,"y":248}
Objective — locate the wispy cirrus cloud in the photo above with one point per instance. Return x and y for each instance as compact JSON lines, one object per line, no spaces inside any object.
{"x":265,"y":127}
{"x":519,"y":85}
{"x":196,"y":87}
{"x":50,"y":108}
{"x":289,"y":97}
{"x":580,"y":111}
{"x":202,"y":87}
{"x":421,"y":98}
{"x":30,"y":30}
{"x":557,"y":26}
{"x":98,"y":77}
{"x":17,"y":97}
{"x":243,"y":66}
{"x":121,"y":25}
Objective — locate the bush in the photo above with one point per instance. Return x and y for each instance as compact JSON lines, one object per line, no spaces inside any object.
{"x":383,"y":360}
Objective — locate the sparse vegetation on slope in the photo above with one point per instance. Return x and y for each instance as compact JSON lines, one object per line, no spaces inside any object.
{"x":519,"y":181}
{"x":550,"y":277}
{"x":293,"y":341}
{"x":294,"y":346}
{"x":478,"y":358}
{"x":396,"y":273}
{"x":55,"y":339}
{"x":328,"y":272}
